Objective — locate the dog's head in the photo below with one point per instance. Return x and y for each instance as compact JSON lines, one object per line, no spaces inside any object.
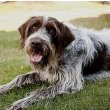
{"x":44,"y":38}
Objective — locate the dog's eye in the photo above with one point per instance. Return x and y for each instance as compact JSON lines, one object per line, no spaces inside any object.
{"x":51,"y":31}
{"x":33,"y":27}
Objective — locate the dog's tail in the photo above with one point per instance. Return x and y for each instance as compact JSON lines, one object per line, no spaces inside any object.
{"x":98,"y":76}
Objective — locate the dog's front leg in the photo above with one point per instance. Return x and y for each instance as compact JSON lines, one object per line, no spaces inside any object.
{"x":36,"y":96}
{"x":20,"y":80}
{"x":68,"y":82}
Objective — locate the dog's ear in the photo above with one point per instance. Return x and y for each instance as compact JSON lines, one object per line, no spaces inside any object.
{"x":65,"y":37}
{"x":23,"y":33}
{"x":23,"y":30}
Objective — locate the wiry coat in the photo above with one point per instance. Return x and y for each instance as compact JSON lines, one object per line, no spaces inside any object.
{"x":70,"y":55}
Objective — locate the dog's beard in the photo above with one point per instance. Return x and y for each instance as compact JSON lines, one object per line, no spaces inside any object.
{"x":39,"y":56}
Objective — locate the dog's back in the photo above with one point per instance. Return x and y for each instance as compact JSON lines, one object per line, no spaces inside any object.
{"x":96,"y":60}
{"x":99,"y":66}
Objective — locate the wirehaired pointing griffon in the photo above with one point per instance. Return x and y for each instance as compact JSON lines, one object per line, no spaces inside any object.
{"x":61,"y":54}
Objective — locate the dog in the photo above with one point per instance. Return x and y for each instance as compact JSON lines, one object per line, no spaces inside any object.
{"x":61,"y":54}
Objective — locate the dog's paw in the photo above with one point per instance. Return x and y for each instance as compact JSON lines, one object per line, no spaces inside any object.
{"x":15,"y":108}
{"x":18,"y":105}
{"x":2,"y":89}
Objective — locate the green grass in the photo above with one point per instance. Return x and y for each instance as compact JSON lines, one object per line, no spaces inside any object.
{"x":94,"y":96}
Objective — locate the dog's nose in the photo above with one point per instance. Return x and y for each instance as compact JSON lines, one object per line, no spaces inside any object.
{"x":35,"y":42}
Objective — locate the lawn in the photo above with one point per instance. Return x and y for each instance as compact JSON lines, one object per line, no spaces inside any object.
{"x":94,"y":96}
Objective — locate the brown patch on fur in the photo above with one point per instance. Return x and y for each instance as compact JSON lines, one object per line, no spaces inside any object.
{"x":99,"y":62}
{"x":25,"y":28}
{"x":63,"y":36}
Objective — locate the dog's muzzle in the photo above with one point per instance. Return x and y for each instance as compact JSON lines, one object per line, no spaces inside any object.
{"x":38,"y":50}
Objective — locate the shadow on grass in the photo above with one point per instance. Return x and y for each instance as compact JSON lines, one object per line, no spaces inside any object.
{"x":103,"y":21}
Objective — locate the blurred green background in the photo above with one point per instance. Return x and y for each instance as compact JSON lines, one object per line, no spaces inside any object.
{"x":94,"y":96}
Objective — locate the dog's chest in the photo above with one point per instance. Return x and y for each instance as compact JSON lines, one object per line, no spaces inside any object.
{"x":48,"y":74}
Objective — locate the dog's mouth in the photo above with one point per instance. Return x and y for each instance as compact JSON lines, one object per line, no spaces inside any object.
{"x":39,"y":54}
{"x":36,"y":58}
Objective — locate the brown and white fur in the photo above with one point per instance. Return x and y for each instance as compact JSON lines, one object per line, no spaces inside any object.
{"x":61,"y":54}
